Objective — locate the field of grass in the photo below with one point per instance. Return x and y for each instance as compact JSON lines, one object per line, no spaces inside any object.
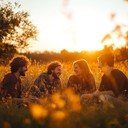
{"x":62,"y":110}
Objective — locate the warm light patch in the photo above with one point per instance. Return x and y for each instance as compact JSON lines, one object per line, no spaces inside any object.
{"x":37,"y":111}
{"x":60,"y":103}
{"x":58,"y":115}
{"x":73,"y":100}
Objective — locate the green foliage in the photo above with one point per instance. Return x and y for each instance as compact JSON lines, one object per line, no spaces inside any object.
{"x":15,"y":26}
{"x":121,"y":54}
{"x":120,"y":32}
{"x":7,"y":51}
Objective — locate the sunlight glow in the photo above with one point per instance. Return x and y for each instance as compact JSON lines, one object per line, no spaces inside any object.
{"x":77,"y":36}
{"x":38,"y":111}
{"x":75,"y":27}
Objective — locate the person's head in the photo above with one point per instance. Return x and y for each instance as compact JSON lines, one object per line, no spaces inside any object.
{"x":19,"y":64}
{"x":54,"y":68}
{"x":105,"y":60}
{"x":81,"y":67}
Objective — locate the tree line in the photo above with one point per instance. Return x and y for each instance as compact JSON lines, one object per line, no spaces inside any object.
{"x":121,"y":54}
{"x":17,"y":33}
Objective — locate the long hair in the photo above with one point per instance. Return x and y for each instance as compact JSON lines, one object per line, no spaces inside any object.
{"x":17,"y":62}
{"x":86,"y":74}
{"x":84,"y":66}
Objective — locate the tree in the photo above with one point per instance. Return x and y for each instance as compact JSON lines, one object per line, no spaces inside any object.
{"x":7,"y":51}
{"x":15,"y":27}
{"x":120,"y":31}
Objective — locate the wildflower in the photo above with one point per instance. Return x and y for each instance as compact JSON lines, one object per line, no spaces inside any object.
{"x":38,"y":111}
{"x":58,"y":115}
{"x":58,"y":100}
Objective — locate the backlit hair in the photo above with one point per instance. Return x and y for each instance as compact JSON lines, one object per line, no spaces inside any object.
{"x":52,"y":66}
{"x":18,"y":61}
{"x":83,"y":64}
{"x":107,"y":58}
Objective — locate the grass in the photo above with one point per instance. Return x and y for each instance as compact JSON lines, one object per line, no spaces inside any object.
{"x":62,"y":110}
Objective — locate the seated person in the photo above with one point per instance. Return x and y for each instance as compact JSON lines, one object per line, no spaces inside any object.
{"x":11,"y":84}
{"x":83,"y":80}
{"x":113,"y":82}
{"x":49,"y":82}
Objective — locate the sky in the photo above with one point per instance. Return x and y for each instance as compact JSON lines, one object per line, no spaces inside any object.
{"x":74,"y":25}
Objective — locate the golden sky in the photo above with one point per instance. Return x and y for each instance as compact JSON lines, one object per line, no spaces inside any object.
{"x":74,"y":25}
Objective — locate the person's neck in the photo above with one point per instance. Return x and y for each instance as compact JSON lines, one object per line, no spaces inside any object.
{"x":17,"y":74}
{"x":51,"y":78}
{"x":109,"y":69}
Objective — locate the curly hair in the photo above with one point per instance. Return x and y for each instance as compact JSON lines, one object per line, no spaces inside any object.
{"x":17,"y":62}
{"x":52,"y":66}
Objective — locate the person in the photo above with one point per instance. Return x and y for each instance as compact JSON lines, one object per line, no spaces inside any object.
{"x":83,"y":80}
{"x":114,"y":82}
{"x":11,"y":83}
{"x":49,"y":82}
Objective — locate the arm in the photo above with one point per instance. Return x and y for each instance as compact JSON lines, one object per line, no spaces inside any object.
{"x":40,"y":83}
{"x":97,"y":93}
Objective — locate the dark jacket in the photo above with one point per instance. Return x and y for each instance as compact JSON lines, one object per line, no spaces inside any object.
{"x":116,"y":81}
{"x":11,"y":86}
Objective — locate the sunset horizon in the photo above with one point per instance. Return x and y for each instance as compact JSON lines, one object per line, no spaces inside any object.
{"x":74,"y":25}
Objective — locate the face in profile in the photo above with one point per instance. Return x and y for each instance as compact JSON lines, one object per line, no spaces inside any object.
{"x":22,"y":70}
{"x":57,"y":72}
{"x":77,"y":69}
{"x":101,"y":66}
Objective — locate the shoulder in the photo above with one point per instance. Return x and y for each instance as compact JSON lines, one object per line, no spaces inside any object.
{"x":118,"y":72}
{"x":73,"y":77}
{"x":42,"y":75}
{"x":9,"y":79}
{"x":9,"y":76}
{"x":119,"y":75}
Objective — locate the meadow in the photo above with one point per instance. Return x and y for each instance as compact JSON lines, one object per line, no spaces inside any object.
{"x":59,"y":111}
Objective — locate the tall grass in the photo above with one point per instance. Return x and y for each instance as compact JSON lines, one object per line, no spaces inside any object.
{"x":62,"y":110}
